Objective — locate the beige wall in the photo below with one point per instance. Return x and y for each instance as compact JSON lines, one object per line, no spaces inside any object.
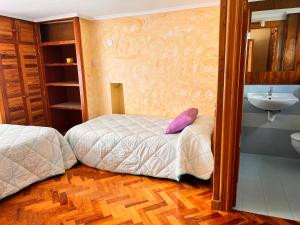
{"x":166,"y":62}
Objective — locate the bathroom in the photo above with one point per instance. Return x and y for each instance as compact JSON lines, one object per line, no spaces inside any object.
{"x":269,"y":175}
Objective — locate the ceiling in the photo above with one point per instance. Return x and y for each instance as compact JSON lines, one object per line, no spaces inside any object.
{"x":273,"y":15}
{"x":39,"y":10}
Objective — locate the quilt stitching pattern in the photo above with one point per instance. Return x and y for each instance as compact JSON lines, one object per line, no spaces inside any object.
{"x":30,"y":154}
{"x":138,"y":145}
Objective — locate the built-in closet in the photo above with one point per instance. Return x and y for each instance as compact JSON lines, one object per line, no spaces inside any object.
{"x":20,"y":77}
{"x":41,"y":73}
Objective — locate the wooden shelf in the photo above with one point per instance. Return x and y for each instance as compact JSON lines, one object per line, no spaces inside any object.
{"x":61,"y":64}
{"x":67,"y":106}
{"x":57,"y":43}
{"x":63,"y":84}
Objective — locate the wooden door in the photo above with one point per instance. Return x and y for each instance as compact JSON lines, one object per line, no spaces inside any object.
{"x":11,"y":86}
{"x":7,"y":29}
{"x":25,"y":31}
{"x":21,"y":90}
{"x":32,"y":85}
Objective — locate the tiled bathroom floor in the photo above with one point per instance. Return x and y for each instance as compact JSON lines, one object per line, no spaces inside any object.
{"x":269,"y":186}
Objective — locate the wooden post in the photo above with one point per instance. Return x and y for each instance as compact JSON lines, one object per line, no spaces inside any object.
{"x":232,"y":68}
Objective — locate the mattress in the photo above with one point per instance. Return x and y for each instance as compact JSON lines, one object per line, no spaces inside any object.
{"x":29,"y":154}
{"x":137,"y":145}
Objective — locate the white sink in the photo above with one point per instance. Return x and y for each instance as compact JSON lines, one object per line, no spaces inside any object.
{"x":274,"y":102}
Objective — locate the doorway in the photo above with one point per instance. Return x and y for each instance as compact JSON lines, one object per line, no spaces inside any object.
{"x":269,"y":171}
{"x":234,"y":27}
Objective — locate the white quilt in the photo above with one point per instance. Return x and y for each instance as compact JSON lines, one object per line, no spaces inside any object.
{"x":29,"y":154}
{"x":138,"y":145}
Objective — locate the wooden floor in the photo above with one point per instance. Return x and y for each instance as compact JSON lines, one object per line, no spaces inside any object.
{"x":89,"y":196}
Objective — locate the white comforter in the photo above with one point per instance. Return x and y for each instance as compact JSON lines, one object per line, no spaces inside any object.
{"x":30,"y":154}
{"x":138,"y":145}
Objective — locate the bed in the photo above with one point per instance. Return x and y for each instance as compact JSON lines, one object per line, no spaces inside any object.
{"x":138,"y":145}
{"x":29,"y":154}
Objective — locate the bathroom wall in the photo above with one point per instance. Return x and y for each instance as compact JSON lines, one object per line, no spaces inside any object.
{"x":259,"y":136}
{"x":166,"y":62}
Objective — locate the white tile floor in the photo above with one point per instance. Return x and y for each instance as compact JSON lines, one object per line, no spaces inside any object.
{"x":269,"y":186}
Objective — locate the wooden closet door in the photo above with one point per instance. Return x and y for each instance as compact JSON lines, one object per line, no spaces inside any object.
{"x":6,"y":29}
{"x":11,"y":85}
{"x":32,"y":85}
{"x":25,"y":31}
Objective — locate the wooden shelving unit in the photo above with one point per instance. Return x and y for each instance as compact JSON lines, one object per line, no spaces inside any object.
{"x":64,"y":82}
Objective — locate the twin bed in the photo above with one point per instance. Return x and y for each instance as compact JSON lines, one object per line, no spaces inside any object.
{"x":29,"y":154}
{"x":117,"y":143}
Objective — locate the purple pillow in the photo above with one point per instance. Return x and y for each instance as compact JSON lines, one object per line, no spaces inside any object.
{"x":183,"y":120}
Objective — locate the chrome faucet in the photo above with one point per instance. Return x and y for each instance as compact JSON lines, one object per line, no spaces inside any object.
{"x":270,"y":91}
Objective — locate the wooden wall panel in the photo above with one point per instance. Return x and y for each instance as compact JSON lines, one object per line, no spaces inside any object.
{"x":290,"y":43}
{"x":289,"y":71}
{"x":297,"y":54}
{"x":272,"y":53}
{"x":289,"y":57}
{"x":287,"y":77}
{"x":32,"y":84}
{"x":6,"y":29}
{"x":273,"y":4}
{"x":14,"y":102}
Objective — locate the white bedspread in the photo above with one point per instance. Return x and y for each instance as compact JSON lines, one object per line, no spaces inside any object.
{"x":138,"y":145}
{"x":29,"y":154}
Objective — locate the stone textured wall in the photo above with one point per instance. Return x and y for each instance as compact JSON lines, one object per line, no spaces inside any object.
{"x":166,"y":62}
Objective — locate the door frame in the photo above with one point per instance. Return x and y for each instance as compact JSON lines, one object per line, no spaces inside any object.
{"x":234,"y":24}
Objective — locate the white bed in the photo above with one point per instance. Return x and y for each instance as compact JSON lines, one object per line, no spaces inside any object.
{"x":137,"y":145}
{"x":29,"y":154}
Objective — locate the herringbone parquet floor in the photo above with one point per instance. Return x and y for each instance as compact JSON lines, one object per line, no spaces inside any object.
{"x":89,"y":196}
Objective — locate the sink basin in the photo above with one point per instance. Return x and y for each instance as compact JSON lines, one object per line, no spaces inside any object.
{"x":275,"y":102}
